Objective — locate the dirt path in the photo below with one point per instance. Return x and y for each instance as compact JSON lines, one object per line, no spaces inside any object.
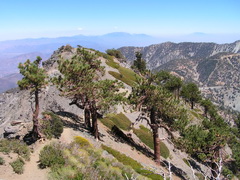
{"x":31,"y":169}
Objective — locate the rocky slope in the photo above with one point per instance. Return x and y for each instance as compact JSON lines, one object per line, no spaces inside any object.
{"x":16,"y":114}
{"x":16,"y":105}
{"x":215,"y":67}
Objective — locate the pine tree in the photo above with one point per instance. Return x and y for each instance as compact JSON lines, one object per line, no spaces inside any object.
{"x":81,"y":82}
{"x":208,"y":105}
{"x":34,"y":79}
{"x":157,"y":102}
{"x":139,"y":64}
{"x":191,"y":93}
{"x":170,"y":82}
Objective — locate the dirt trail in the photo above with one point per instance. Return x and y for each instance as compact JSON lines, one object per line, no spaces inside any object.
{"x":31,"y":169}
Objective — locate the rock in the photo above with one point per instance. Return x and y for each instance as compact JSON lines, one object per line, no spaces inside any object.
{"x":14,"y":123}
{"x":11,"y":129}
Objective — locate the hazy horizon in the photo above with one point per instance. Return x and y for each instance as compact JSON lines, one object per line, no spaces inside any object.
{"x":157,"y":18}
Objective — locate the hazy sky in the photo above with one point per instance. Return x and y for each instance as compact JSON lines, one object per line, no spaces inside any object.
{"x":53,"y":18}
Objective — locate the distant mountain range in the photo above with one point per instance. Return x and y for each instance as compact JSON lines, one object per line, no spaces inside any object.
{"x":15,"y":51}
{"x":215,"y":67}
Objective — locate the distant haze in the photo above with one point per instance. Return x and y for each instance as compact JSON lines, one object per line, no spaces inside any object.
{"x":158,"y":18}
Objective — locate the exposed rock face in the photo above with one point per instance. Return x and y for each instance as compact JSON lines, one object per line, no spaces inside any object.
{"x":16,"y":105}
{"x":213,"y":66}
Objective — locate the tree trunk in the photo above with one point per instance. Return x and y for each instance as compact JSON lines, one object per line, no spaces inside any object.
{"x":178,"y":93}
{"x":87,"y":118}
{"x":205,"y":111}
{"x":156,"y":142}
{"x":156,"y":139}
{"x":214,"y":166}
{"x":192,"y":104}
{"x":94,"y":122}
{"x":35,"y":130}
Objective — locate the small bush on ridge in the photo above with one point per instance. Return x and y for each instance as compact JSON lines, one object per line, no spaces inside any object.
{"x":17,"y":166}
{"x":51,"y":155}
{"x":52,"y":125}
{"x":2,"y":162}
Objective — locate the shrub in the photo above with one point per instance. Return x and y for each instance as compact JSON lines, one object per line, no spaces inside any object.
{"x":52,"y":125}
{"x":120,"y":120}
{"x":51,"y":155}
{"x":15,"y":146}
{"x":128,"y":73}
{"x":17,"y":166}
{"x":121,"y":78}
{"x":82,"y":142}
{"x":66,"y":173}
{"x":2,"y":162}
{"x":145,"y":135}
{"x":115,"y":53}
{"x":110,"y":62}
{"x":227,"y":173}
{"x":200,"y":176}
{"x":131,"y":162}
{"x":186,"y":161}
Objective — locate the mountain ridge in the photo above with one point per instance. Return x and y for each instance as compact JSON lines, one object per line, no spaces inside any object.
{"x":207,"y":64}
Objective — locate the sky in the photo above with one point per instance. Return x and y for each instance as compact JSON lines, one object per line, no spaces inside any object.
{"x":53,"y":18}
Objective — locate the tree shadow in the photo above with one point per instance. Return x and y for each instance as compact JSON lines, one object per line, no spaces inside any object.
{"x":195,"y":165}
{"x":76,"y":123}
{"x":119,"y":135}
{"x":29,"y":139}
{"x":177,"y":171}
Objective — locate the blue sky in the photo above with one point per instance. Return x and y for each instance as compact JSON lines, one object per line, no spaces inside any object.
{"x":53,"y":18}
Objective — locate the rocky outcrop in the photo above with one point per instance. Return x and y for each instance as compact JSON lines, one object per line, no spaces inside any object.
{"x":17,"y":105}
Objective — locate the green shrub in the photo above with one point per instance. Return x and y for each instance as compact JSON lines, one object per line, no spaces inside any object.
{"x":128,"y":73}
{"x":121,"y":78}
{"x":200,"y":176}
{"x":51,"y":155}
{"x":120,"y":120}
{"x":15,"y":146}
{"x":66,"y":173}
{"x":114,"y":52}
{"x":227,"y":173}
{"x":5,"y":146}
{"x":52,"y":125}
{"x":2,"y":162}
{"x":186,"y":161}
{"x":145,"y":135}
{"x":123,"y":158}
{"x":82,"y":142}
{"x":112,"y":63}
{"x":18,"y":166}
{"x":131,"y":162}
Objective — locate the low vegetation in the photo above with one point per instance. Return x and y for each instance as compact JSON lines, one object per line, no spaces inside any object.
{"x":131,"y":162}
{"x":51,"y":156}
{"x":145,"y":135}
{"x":112,"y":64}
{"x":2,"y":161}
{"x":18,"y":165}
{"x":82,"y":142}
{"x":121,"y":78}
{"x":114,"y":52}
{"x":79,"y":160}
{"x":120,"y":120}
{"x":15,"y":146}
{"x":51,"y":125}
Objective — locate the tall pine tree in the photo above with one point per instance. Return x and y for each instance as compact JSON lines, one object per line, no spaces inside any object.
{"x":34,"y":79}
{"x":157,"y":102}
{"x":81,"y":82}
